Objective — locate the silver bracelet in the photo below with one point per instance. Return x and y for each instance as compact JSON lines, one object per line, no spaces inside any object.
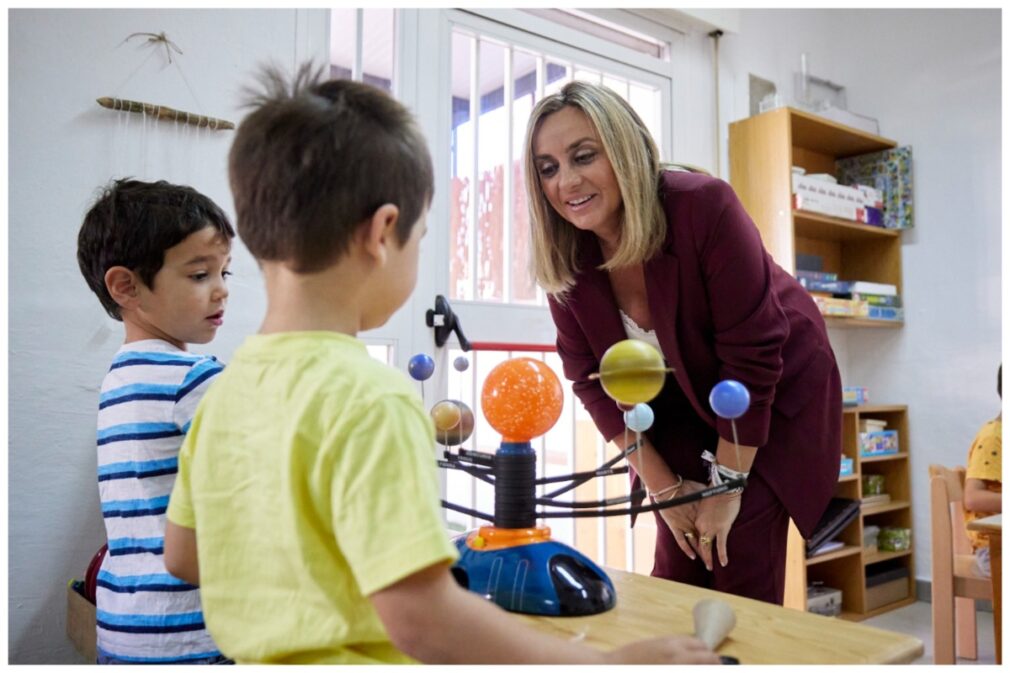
{"x":719,"y":474}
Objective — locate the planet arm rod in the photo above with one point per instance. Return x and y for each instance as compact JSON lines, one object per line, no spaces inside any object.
{"x":594,"y":503}
{"x":673,"y":502}
{"x":598,"y":472}
{"x":483,"y":475}
{"x":466,"y":510}
{"x":630,"y":449}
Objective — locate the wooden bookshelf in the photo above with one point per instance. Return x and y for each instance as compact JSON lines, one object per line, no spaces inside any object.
{"x":845,"y":568}
{"x":762,"y":151}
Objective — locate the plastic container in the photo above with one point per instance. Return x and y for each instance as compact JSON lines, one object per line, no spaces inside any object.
{"x":870,"y":538}
{"x":873,"y":484}
{"x":894,"y":539}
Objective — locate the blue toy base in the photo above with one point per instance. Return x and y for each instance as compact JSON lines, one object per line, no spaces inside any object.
{"x":540,"y":578}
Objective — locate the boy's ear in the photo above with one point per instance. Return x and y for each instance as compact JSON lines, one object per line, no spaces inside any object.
{"x":380,"y":231}
{"x":122,"y":286}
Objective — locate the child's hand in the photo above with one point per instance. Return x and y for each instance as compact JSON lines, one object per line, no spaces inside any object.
{"x":669,"y":650}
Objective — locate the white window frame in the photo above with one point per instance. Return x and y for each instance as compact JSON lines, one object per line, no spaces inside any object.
{"x":515,"y":27}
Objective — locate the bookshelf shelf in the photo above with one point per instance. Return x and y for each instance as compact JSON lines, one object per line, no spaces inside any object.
{"x":879,"y":556}
{"x":880,"y":459}
{"x":847,"y":550}
{"x":860,"y":616}
{"x":874,"y":409}
{"x":815,"y":225}
{"x":889,"y":507}
{"x":846,"y":322}
{"x":827,"y":137}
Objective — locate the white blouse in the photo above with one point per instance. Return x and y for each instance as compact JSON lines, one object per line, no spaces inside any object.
{"x":633,"y":331}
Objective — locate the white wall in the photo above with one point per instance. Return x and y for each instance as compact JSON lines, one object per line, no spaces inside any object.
{"x":932,"y":78}
{"x":62,"y":147}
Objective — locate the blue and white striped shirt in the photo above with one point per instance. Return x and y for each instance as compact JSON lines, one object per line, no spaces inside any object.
{"x":148,"y":399}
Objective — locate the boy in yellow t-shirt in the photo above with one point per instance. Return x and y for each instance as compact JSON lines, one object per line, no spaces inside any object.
{"x":306,"y":505}
{"x":983,"y":479}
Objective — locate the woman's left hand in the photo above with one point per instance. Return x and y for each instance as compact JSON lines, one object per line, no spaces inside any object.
{"x":713,"y":522}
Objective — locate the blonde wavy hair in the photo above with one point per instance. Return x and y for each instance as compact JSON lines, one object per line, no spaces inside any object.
{"x":634,"y":157}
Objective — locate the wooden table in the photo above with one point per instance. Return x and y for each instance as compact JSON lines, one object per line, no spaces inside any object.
{"x":992,"y":528}
{"x":764,"y":633}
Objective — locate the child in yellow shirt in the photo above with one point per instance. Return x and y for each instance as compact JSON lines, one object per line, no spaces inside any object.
{"x":983,"y":483}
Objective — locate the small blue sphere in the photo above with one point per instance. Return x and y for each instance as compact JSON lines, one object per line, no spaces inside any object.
{"x":639,"y":418}
{"x":729,"y":399}
{"x":421,"y":367}
{"x":461,"y":364}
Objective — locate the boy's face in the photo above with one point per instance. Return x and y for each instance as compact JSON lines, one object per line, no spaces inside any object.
{"x":400,"y":273}
{"x":187,"y":299}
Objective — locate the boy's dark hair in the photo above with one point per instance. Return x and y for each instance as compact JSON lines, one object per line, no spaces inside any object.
{"x":133,"y":223}
{"x":316,"y":159}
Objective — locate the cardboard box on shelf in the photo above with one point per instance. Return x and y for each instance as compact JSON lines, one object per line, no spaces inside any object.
{"x":888,"y":171}
{"x":885,"y":585}
{"x":827,"y":198}
{"x":81,"y":622}
{"x":878,"y":443}
{"x":824,"y":600}
{"x":872,"y":425}
{"x":855,"y":395}
{"x":834,"y":306}
{"x":872,"y":198}
{"x":846,"y":468}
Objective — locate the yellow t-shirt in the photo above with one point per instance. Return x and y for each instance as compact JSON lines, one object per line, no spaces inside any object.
{"x":985,"y":461}
{"x":309,"y":476}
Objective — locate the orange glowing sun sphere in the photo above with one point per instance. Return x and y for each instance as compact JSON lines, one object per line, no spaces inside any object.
{"x":521,"y":399}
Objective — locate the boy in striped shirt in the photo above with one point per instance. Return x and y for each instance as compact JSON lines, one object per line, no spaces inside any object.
{"x":157,"y":256}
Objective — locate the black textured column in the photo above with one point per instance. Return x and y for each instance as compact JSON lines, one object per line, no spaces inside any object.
{"x":515,"y":468}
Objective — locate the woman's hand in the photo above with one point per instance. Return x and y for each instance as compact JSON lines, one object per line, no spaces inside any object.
{"x":681,"y":519}
{"x":714,"y":519}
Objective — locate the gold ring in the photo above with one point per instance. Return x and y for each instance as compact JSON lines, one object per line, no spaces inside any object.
{"x":704,"y":539}
{"x":689,"y":536}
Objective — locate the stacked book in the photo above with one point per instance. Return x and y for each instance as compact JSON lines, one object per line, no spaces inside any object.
{"x":839,"y":514}
{"x":854,"y":298}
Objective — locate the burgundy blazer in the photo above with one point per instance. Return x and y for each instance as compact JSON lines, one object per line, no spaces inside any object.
{"x":721,"y":309}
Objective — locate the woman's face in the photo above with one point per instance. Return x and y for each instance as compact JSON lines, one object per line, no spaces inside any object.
{"x":575,"y":173}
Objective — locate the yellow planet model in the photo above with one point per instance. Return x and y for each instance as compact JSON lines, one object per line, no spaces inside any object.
{"x":632,"y":371}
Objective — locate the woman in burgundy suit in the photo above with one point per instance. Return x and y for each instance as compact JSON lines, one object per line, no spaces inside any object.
{"x":628,"y":250}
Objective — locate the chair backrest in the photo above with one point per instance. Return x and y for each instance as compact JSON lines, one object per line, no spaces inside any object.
{"x":947,"y":488}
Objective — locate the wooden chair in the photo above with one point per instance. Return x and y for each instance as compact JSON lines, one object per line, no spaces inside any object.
{"x":957,"y":583}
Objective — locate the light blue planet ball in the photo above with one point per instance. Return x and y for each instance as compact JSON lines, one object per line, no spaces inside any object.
{"x":639,"y":418}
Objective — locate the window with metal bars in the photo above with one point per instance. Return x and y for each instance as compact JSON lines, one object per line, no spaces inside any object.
{"x":494,"y":88}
